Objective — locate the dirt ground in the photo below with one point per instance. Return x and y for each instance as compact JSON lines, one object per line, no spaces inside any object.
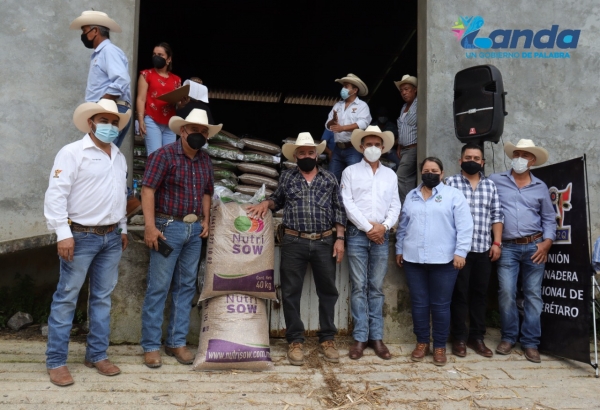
{"x":502,"y":382}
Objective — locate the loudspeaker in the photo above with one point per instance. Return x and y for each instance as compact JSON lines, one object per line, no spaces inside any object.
{"x":479,"y":105}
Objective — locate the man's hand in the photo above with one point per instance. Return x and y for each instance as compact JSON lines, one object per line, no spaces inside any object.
{"x":205,"y":227}
{"x":398,"y":151}
{"x":151,"y":236}
{"x":541,"y":255}
{"x":377,"y":233}
{"x":329,"y":153}
{"x":337,"y":128}
{"x":66,"y":247}
{"x":495,"y":253}
{"x":183,"y":102}
{"x":258,"y":211}
{"x":338,"y":250}
{"x":124,"y":241}
{"x":459,"y":262}
{"x":399,"y":260}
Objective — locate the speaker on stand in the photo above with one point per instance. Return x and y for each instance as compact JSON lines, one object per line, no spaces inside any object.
{"x":479,"y":104}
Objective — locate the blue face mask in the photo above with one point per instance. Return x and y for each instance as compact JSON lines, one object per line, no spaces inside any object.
{"x":106,"y":132}
{"x":344,"y":93}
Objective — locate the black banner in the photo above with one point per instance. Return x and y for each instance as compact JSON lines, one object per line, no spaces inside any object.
{"x":566,"y":288}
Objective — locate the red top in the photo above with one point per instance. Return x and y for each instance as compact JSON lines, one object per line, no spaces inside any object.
{"x":159,"y":111}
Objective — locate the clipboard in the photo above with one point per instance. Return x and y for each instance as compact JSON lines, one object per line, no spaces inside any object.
{"x":175,"y":96}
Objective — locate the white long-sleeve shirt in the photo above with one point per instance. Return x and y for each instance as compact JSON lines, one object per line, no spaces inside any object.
{"x":87,"y":186}
{"x":369,"y":196}
{"x":357,"y":112}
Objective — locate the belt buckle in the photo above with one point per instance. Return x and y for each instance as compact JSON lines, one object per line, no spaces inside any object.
{"x":312,"y":236}
{"x":340,"y":145}
{"x":100,"y":230}
{"x":190,"y":218}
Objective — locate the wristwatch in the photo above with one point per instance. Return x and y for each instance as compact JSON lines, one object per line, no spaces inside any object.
{"x":498,"y":244}
{"x":387,"y":228}
{"x":341,"y":238}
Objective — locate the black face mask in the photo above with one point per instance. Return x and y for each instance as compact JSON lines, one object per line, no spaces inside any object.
{"x":196,"y":140}
{"x":158,"y":62}
{"x":87,"y":43}
{"x":471,"y":167}
{"x":430,"y":180}
{"x":307,"y":164}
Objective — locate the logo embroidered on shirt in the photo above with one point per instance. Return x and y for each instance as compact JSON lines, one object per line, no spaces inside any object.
{"x":438,"y":198}
{"x":56,"y":172}
{"x":354,"y":110}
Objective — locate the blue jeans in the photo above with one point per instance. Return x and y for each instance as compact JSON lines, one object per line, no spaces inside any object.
{"x":343,"y":158}
{"x":368,"y":266}
{"x":430,"y":287}
{"x":178,"y":273}
{"x":98,"y":255}
{"x":157,"y":135}
{"x":122,"y":109}
{"x":514,"y":259}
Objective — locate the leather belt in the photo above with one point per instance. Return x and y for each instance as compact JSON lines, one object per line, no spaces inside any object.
{"x":343,"y":145}
{"x":526,"y":239}
{"x":407,"y":146}
{"x":98,"y":230}
{"x":189,"y":218}
{"x":306,"y":235}
{"x":123,"y":102}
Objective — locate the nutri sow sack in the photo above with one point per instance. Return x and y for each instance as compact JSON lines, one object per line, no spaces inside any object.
{"x":240,"y":251}
{"x":234,"y":334}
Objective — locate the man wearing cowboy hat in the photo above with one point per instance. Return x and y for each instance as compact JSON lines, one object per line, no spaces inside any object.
{"x":529,"y":230}
{"x":407,"y":136}
{"x":108,"y":76}
{"x":346,"y":116}
{"x":370,"y":196}
{"x":85,"y":206}
{"x":312,"y":206}
{"x":176,"y":193}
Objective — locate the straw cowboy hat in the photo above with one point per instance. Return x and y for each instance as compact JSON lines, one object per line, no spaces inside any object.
{"x":95,"y":18}
{"x":386,"y":136}
{"x":304,"y":140}
{"x":406,"y":79}
{"x":354,"y":80}
{"x":197,"y":117}
{"x":541,"y":155}
{"x":89,"y":109}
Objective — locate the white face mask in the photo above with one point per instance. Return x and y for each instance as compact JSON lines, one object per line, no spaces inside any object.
{"x":519,"y":165}
{"x":372,"y":154}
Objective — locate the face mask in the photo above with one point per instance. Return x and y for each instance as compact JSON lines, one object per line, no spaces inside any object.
{"x":106,"y":132}
{"x":158,"y":62}
{"x":372,"y":154}
{"x":519,"y":165}
{"x":344,"y":93}
{"x":87,"y":43}
{"x":430,"y":180}
{"x":471,"y":167}
{"x":196,"y":140}
{"x":307,"y":164}
{"x":382,"y":120}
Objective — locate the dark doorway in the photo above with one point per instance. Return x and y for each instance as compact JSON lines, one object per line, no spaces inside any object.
{"x":293,"y":48}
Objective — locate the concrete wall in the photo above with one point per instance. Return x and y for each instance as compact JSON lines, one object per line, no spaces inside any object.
{"x":44,"y":70}
{"x":552,"y":101}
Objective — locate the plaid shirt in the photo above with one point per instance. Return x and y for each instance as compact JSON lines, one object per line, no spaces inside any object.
{"x":313,"y":207}
{"x":485,"y":208}
{"x":180,"y":182}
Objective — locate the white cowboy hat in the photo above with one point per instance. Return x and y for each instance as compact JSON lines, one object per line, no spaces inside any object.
{"x":541,"y":155}
{"x":196,"y":116}
{"x":89,"y":109}
{"x":354,"y":80}
{"x":406,"y":79}
{"x":304,"y":140}
{"x":95,"y":18}
{"x":386,"y":136}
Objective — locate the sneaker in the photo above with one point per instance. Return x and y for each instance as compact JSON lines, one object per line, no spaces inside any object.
{"x":295,"y":354}
{"x":134,"y":207}
{"x":330,"y":352}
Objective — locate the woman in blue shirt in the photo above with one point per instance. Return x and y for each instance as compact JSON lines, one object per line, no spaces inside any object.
{"x":433,"y":239}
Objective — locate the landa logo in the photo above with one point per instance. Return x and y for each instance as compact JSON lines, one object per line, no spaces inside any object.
{"x":467,"y":30}
{"x":561,"y":201}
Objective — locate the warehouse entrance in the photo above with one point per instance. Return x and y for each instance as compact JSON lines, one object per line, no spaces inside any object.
{"x":270,"y":66}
